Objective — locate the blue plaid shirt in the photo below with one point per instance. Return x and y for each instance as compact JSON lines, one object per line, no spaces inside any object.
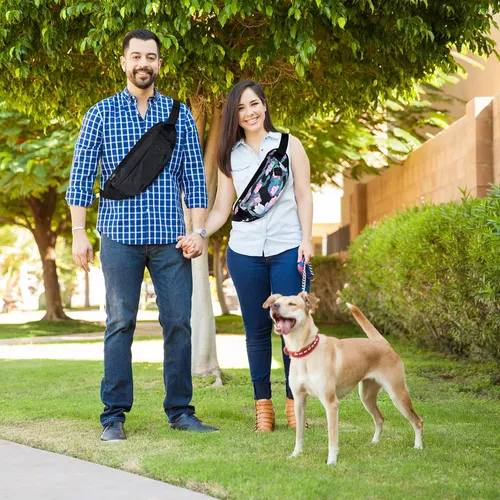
{"x":109,"y":131}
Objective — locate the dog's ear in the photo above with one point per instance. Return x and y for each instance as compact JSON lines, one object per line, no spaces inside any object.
{"x":310,"y":300}
{"x":271,"y":300}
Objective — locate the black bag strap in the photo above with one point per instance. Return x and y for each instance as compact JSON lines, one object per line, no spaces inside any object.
{"x":109,"y":190}
{"x":281,"y":150}
{"x":174,"y":114}
{"x":172,"y":119}
{"x":283,"y":144}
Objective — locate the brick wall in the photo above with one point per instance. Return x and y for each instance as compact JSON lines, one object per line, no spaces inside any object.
{"x":496,"y":140}
{"x":464,"y":156}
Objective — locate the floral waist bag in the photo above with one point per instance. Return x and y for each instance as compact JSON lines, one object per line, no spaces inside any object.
{"x":266,"y":186}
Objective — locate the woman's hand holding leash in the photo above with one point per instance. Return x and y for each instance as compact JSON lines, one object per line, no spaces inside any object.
{"x":306,"y":251}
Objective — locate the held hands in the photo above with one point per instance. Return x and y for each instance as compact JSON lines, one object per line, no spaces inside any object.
{"x":82,"y":250}
{"x":192,"y":245}
{"x":305,"y":250}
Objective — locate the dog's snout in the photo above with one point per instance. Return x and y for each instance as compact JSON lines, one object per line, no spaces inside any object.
{"x":275,"y":306}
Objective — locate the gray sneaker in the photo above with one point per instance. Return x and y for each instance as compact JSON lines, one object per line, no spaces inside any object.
{"x":113,"y":432}
{"x":187,"y":422}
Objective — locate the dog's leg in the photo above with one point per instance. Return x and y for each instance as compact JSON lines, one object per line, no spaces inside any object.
{"x":331,"y":404}
{"x":300,"y":402}
{"x":396,"y":388}
{"x":368,"y":391}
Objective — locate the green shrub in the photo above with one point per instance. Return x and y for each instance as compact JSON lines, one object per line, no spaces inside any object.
{"x":330,"y":277}
{"x":432,"y":273}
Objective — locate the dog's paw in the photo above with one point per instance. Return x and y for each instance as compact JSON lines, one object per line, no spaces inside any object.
{"x":295,"y":453}
{"x":419,"y":446}
{"x":332,"y":457}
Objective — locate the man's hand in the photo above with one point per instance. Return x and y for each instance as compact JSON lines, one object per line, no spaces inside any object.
{"x":82,"y":250}
{"x":192,"y":245}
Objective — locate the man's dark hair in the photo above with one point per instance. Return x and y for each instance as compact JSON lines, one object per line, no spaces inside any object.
{"x":141,"y":34}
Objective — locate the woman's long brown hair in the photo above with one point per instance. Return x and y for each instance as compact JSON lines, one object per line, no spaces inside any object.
{"x":231,"y":130}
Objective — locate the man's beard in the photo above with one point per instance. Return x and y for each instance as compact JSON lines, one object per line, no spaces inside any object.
{"x":143,"y":84}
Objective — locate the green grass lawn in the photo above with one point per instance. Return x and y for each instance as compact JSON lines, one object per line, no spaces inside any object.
{"x":46,"y":328}
{"x":230,"y":323}
{"x":54,"y":405}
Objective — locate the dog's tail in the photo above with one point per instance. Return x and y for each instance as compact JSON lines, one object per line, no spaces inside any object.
{"x":365,"y":324}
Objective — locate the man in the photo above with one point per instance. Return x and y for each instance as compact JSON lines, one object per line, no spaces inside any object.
{"x":141,"y":231}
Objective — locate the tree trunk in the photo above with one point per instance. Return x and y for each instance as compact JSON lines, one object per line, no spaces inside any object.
{"x":43,"y":211}
{"x":87,"y":291}
{"x":217,"y":267}
{"x":204,"y":354}
{"x":204,"y":358}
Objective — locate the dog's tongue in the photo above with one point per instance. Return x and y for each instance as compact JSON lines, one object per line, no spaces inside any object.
{"x":285,"y":326}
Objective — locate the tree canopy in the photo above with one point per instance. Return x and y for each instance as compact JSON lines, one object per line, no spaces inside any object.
{"x":58,"y":57}
{"x":329,"y":68}
{"x":32,"y":158}
{"x":368,"y":141}
{"x":34,"y":170}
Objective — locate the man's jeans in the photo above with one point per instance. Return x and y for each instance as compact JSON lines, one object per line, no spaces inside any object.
{"x":123,"y":267}
{"x":255,"y":278}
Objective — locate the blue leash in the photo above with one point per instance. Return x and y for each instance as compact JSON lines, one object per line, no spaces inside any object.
{"x":307,"y":273}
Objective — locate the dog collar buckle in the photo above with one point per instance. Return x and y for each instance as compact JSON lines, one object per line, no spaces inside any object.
{"x":303,"y":352}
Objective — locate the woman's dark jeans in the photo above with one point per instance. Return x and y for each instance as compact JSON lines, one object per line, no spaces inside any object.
{"x":123,"y":267}
{"x":255,"y":278}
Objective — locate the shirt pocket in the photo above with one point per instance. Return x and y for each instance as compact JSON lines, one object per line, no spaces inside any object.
{"x":241,"y":173}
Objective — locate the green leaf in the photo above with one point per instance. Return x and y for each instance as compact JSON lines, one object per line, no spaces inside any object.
{"x":40,"y":171}
{"x":243,"y":59}
{"x":11,"y":131}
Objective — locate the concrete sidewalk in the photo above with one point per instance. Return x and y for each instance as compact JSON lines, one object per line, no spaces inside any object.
{"x":231,"y":349}
{"x":28,"y":473}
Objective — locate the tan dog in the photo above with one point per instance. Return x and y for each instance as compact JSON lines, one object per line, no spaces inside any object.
{"x":328,"y":368}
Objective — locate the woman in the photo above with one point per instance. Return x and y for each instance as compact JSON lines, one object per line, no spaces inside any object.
{"x":262,"y":254}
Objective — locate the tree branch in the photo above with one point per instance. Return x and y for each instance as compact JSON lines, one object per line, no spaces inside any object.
{"x":15,"y":222}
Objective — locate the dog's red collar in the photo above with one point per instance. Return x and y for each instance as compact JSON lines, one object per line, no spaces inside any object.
{"x":305,"y":351}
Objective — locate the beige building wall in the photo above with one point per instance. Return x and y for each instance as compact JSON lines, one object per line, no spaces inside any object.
{"x":459,"y":158}
{"x":319,"y":231}
{"x":464,"y":157}
{"x":349,"y":190}
{"x":496,"y":139}
{"x":479,"y":82}
{"x":326,"y":215}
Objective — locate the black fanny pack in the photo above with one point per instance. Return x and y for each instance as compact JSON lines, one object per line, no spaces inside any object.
{"x":266,"y":186}
{"x":145,"y":161}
